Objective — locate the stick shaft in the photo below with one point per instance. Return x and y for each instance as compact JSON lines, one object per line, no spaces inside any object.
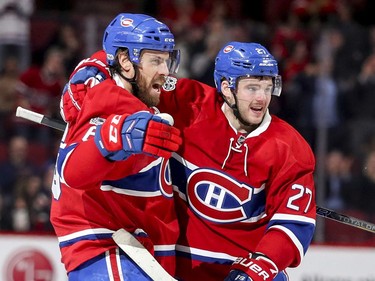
{"x":345,"y":219}
{"x":135,"y":250}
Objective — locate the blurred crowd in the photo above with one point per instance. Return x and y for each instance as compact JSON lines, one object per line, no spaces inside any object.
{"x":326,"y":54}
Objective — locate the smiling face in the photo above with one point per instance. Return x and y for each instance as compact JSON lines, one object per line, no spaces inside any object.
{"x":153,"y":69}
{"x":253,"y":98}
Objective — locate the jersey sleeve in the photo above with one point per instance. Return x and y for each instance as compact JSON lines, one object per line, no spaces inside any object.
{"x":80,"y":163}
{"x":83,"y":167}
{"x":290,"y":203}
{"x":82,"y":159}
{"x":88,"y":73}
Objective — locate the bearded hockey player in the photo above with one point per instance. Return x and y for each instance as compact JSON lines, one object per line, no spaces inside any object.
{"x":112,"y":167}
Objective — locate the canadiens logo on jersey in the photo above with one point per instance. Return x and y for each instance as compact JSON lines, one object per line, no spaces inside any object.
{"x":219,"y":198}
{"x":170,"y":83}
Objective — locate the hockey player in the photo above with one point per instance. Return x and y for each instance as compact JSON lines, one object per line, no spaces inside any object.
{"x":243,"y":177}
{"x":112,"y":167}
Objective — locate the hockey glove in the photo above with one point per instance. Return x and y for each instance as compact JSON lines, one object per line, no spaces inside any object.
{"x":123,"y":135}
{"x":256,"y":267}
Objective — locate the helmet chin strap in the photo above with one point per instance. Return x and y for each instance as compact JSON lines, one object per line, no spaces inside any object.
{"x":132,"y":81}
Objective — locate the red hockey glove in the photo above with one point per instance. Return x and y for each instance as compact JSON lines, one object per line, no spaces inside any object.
{"x":256,"y":267}
{"x":123,"y":135}
{"x":161,"y":139}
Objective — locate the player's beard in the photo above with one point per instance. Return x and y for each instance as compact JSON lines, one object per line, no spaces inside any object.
{"x":145,"y":89}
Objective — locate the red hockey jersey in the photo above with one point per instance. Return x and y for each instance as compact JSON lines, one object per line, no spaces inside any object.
{"x":236,"y":193}
{"x":135,"y":193}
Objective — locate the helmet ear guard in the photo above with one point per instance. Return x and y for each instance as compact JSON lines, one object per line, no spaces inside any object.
{"x":237,"y":59}
{"x":277,"y":85}
{"x":138,"y":32}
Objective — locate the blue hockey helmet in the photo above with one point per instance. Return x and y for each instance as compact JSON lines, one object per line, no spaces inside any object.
{"x":237,"y":60}
{"x":138,"y":32}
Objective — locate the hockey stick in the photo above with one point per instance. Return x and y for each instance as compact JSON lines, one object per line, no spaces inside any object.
{"x":320,"y":211}
{"x":135,"y":250}
{"x":345,"y":219}
{"x":40,"y":118}
{"x":60,"y":125}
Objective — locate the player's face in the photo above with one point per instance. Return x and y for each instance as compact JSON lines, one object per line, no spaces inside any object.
{"x":254,"y":96}
{"x":153,"y":69}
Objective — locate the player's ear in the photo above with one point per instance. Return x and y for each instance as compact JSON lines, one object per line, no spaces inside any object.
{"x":226,"y":91}
{"x":126,"y":64}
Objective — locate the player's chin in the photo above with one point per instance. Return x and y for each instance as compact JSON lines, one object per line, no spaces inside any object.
{"x":255,"y":119}
{"x":154,"y":98}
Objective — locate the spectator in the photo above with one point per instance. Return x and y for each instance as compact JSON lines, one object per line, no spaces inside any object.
{"x":15,"y":30}
{"x":286,"y":36}
{"x":298,"y":99}
{"x":8,"y":82}
{"x":203,"y":62}
{"x":297,"y":61}
{"x":20,"y":216}
{"x":5,"y":221}
{"x":32,"y":201}
{"x":351,"y":48}
{"x":26,"y":191}
{"x":67,"y":40}
{"x":311,"y":102}
{"x":39,"y":90}
{"x":359,"y":108}
{"x":325,"y":111}
{"x":42,"y":203}
{"x":338,"y":176}
{"x":15,"y":168}
{"x":363,"y":94}
{"x":363,"y":188}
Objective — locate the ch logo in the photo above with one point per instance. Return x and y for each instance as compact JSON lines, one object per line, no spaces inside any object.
{"x":126,"y":22}
{"x":217,"y":197}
